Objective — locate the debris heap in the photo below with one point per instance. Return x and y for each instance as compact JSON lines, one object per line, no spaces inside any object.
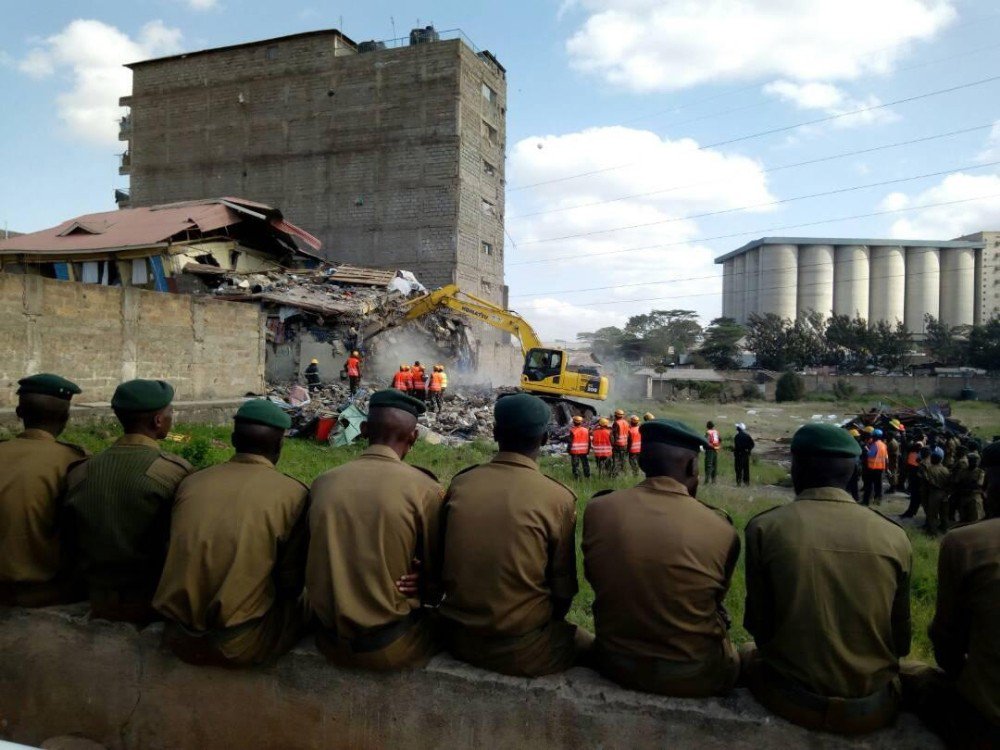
{"x":932,"y":417}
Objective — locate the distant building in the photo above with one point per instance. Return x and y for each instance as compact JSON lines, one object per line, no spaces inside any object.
{"x":392,"y":154}
{"x":878,"y":280}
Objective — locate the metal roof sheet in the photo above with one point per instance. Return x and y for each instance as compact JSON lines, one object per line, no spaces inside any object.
{"x":871,"y":242}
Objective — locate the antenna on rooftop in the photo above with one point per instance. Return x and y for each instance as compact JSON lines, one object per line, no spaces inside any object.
{"x":393,"y":22}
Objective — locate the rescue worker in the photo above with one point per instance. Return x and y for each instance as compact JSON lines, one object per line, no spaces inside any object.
{"x":875,"y":461}
{"x":436,"y":388}
{"x":648,"y":416}
{"x":917,"y":459}
{"x":828,"y":643}
{"x":418,"y":386}
{"x":373,"y":522}
{"x":713,"y":444}
{"x":444,"y":382}
{"x":852,"y":486}
{"x":892,"y":461}
{"x":578,"y":447}
{"x":950,"y":446}
{"x":118,"y":505}
{"x":743,"y":446}
{"x":660,"y":563}
{"x":937,"y":482}
{"x":510,"y":554}
{"x":231,"y":589}
{"x":402,"y":380}
{"x":634,"y":443}
{"x":967,"y":489}
{"x":33,"y":467}
{"x":619,"y":442}
{"x":352,"y":367}
{"x":312,"y":376}
{"x":600,"y":443}
{"x":961,"y":700}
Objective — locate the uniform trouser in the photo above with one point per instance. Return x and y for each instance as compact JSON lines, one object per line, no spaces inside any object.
{"x":932,"y":696}
{"x":578,"y":462}
{"x":354,"y":381}
{"x":937,"y":511}
{"x":916,"y":495}
{"x":555,"y":647}
{"x":436,"y":400}
{"x":633,"y":462}
{"x":256,"y":642}
{"x":419,"y":393}
{"x":39,"y":593}
{"x":798,"y":705}
{"x":741,"y":461}
{"x":967,"y":507}
{"x":872,"y":479}
{"x":413,"y":648}
{"x":714,"y":675}
{"x":619,"y":456}
{"x":711,"y":465}
{"x":604,"y":466}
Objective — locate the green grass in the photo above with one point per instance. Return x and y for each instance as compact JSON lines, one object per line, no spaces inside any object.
{"x":304,"y":460}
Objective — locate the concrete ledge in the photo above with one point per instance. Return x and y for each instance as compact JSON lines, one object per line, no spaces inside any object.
{"x":216,"y":411}
{"x":62,"y":673}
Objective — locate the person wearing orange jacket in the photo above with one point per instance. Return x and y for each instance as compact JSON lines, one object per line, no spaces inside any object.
{"x":619,"y":441}
{"x":352,"y":367}
{"x":401,"y":380}
{"x":712,"y":453}
{"x":418,"y":387}
{"x":634,"y":443}
{"x":876,"y":459}
{"x":436,"y":388}
{"x":600,"y":443}
{"x":578,"y":447}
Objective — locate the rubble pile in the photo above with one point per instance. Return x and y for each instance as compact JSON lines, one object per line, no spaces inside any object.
{"x":933,"y":417}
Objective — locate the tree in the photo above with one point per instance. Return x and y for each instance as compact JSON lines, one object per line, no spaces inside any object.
{"x":984,"y":345}
{"x":944,"y":344}
{"x":657,"y":332}
{"x":805,"y":345}
{"x":849,"y":343}
{"x":605,"y":343}
{"x":721,"y":344}
{"x":790,"y":387}
{"x":767,"y":338}
{"x":890,"y":344}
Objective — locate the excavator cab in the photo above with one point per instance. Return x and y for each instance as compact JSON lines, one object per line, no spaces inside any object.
{"x":547,"y":371}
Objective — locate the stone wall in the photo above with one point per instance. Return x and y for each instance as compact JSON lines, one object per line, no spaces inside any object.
{"x":62,"y":674}
{"x":928,"y":386}
{"x":99,"y":336}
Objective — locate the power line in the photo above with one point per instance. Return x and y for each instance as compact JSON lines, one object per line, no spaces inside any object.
{"x":782,"y":129}
{"x":770,"y":170}
{"x":764,"y":231}
{"x":782,"y":201}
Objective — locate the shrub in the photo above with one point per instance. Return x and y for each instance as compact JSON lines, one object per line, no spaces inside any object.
{"x":790,"y":387}
{"x":843,"y":390}
{"x":198,"y":452}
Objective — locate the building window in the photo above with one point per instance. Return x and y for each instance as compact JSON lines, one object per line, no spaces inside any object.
{"x":487,"y":287}
{"x":487,"y":248}
{"x":488,"y":208}
{"x":489,"y":94}
{"x":271,"y":53}
{"x":490,"y":133}
{"x":488,"y":168}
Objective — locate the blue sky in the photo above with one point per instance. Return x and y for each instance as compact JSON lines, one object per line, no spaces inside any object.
{"x":640,"y":118}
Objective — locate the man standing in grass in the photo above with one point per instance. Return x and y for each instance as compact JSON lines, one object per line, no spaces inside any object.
{"x":714,"y":443}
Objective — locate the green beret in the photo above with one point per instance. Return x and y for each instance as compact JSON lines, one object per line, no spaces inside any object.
{"x":391,"y":398}
{"x":990,"y":456}
{"x":671,"y":432}
{"x":142,"y":395}
{"x":262,"y":411}
{"x":47,"y":384}
{"x":522,"y":414}
{"x":824,"y":440}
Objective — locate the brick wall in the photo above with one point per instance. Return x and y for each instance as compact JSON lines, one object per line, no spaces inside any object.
{"x":99,"y":336}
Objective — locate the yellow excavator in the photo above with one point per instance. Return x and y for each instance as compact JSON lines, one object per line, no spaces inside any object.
{"x":547,"y":373}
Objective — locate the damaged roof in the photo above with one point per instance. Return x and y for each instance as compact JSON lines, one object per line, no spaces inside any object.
{"x":152,"y":227}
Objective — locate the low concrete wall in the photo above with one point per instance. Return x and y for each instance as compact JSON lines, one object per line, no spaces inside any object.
{"x":929,"y":386}
{"x":194,"y":412}
{"x":98,"y":336}
{"x":63,"y":674}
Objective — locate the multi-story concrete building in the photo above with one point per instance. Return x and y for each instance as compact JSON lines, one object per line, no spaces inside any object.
{"x":393,"y":155}
{"x":875,"y":279}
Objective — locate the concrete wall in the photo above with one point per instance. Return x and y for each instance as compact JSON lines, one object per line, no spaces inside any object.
{"x":62,"y":674}
{"x":99,"y":336}
{"x":987,"y":388}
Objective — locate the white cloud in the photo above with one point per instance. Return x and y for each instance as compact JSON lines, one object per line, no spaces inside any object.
{"x":90,"y":54}
{"x":708,"y":180}
{"x":202,"y":4}
{"x":662,"y":45}
{"x":948,"y":221}
{"x":831,"y":100}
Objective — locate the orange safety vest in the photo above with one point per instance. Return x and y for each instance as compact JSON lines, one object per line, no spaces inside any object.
{"x":353,"y":367}
{"x":580,"y":441}
{"x":401,"y":381}
{"x":417,"y":378}
{"x":437,"y":380}
{"x":600,"y":439}
{"x":714,"y":441}
{"x":878,"y":461}
{"x":636,"y":445}
{"x":444,"y":380}
{"x":621,"y":440}
{"x":913,"y":459}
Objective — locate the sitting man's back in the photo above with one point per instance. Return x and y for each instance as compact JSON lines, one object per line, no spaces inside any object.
{"x":827,"y":596}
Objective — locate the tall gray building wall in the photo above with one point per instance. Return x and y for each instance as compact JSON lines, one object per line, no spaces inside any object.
{"x":394,"y":158}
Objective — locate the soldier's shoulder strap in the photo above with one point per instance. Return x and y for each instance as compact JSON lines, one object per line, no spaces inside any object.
{"x":719,"y":511}
{"x":177,"y":460}
{"x":763,"y":513}
{"x":169,"y":469}
{"x":466,"y":470}
{"x":76,"y":473}
{"x":601,"y":493}
{"x":884,"y":517}
{"x":427,"y":472}
{"x":79,"y":450}
{"x":563,"y":486}
{"x":296,"y":480}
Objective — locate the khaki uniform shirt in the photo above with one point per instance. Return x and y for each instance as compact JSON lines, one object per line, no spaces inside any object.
{"x":237,"y":536}
{"x":119,"y":512}
{"x":369,"y":520}
{"x":828,"y":593}
{"x":967,"y":620}
{"x":660,"y":563}
{"x":938,"y":479}
{"x":33,"y":470}
{"x":509,"y":547}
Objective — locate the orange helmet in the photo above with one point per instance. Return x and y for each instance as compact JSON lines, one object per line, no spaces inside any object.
{"x":619,"y":412}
